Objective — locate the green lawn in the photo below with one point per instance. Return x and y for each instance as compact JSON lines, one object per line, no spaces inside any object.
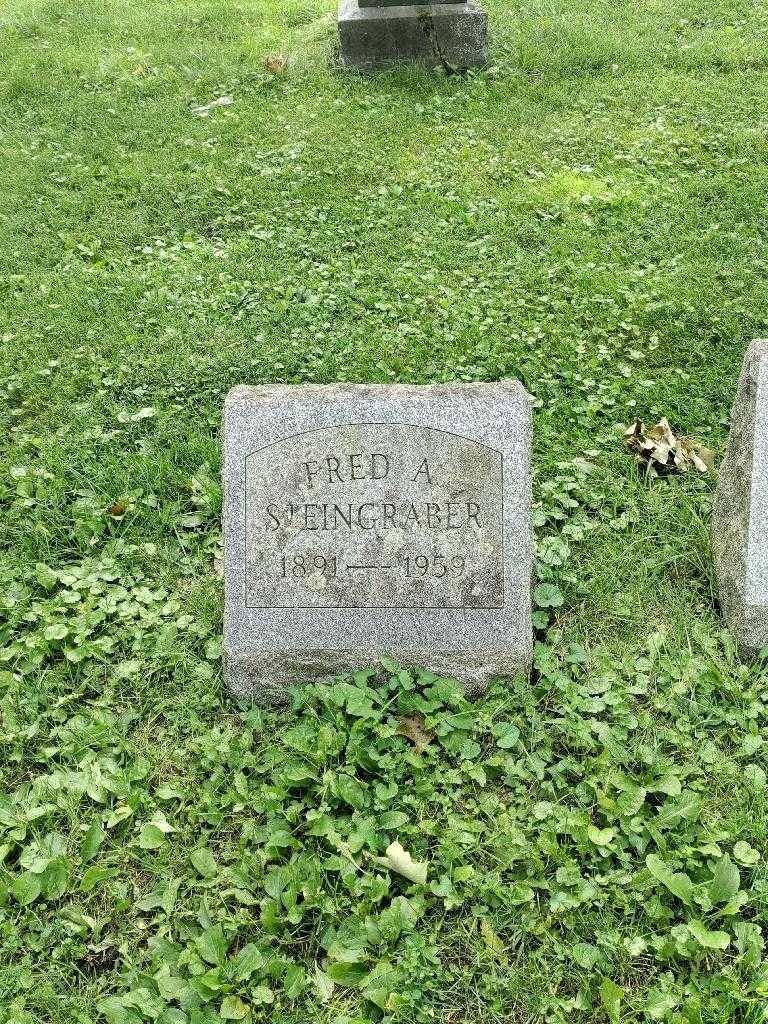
{"x":589,"y":215}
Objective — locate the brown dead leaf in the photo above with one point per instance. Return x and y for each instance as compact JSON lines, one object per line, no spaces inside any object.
{"x":412,"y":727}
{"x":117,"y":510}
{"x":702,"y":458}
{"x":662,"y":451}
{"x":276,"y":63}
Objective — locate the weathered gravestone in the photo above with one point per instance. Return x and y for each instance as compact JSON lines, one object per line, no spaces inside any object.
{"x":370,"y":520}
{"x":375,"y":34}
{"x":740,"y":528}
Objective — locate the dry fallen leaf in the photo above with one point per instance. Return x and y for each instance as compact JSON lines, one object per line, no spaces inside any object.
{"x":400,"y":861}
{"x":662,"y":451}
{"x":277,"y":63}
{"x":204,"y":111}
{"x":412,"y":727}
{"x":117,"y":510}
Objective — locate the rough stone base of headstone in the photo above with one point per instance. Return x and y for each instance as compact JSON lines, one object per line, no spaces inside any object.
{"x":740,"y":525}
{"x":450,"y":35}
{"x":266,"y":677}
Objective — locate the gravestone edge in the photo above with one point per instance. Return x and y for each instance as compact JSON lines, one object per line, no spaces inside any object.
{"x":742,"y":491}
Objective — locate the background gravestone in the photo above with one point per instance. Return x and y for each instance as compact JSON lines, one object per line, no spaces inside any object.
{"x":740,"y":528}
{"x":363,"y":520}
{"x":375,"y":34}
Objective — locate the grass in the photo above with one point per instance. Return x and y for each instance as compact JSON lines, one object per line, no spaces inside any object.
{"x":588,"y":216}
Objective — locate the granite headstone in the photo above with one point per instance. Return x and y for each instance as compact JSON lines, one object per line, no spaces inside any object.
{"x":376,"y":34}
{"x":371,"y":520}
{"x":740,"y":527}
